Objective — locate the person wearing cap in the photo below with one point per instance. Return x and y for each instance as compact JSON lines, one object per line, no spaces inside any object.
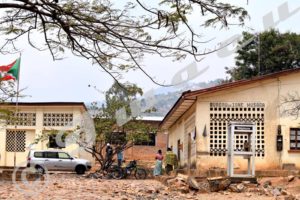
{"x":109,"y":152}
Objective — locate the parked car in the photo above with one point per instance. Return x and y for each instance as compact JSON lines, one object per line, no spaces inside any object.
{"x":56,"y":160}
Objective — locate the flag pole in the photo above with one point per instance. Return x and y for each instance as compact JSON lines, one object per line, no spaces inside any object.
{"x":17,"y":112}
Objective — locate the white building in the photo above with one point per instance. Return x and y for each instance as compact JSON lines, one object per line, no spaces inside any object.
{"x":197,"y":125}
{"x":32,"y":120}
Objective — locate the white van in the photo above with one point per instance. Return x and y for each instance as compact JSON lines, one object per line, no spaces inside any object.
{"x":56,"y":160}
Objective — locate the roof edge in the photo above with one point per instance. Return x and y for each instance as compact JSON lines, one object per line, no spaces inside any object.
{"x":46,"y":104}
{"x":244,"y":82}
{"x":193,"y":94}
{"x":177,"y":103}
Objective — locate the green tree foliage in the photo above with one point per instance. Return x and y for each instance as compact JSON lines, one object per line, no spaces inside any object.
{"x":107,"y":130}
{"x":278,"y":51}
{"x":119,"y":96}
{"x":49,"y":136}
{"x":114,"y":34}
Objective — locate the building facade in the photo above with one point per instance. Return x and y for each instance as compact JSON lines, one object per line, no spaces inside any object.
{"x":146,"y":151}
{"x":31,"y":121}
{"x":197,"y":125}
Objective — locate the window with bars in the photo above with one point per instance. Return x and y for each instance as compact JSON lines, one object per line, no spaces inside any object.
{"x":58,"y":119}
{"x":221,"y":115}
{"x":295,"y":138}
{"x":22,"y":119}
{"x":15,"y":141}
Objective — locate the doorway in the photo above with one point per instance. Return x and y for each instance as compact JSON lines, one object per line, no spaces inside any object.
{"x":189,"y":152}
{"x":178,"y":150}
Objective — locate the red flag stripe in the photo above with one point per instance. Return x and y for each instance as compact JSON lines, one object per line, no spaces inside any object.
{"x":7,"y":77}
{"x":5,"y":68}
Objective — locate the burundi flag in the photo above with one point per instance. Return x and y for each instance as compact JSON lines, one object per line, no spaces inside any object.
{"x":11,"y":71}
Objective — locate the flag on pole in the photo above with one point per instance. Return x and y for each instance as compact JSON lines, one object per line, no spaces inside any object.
{"x":11,"y":71}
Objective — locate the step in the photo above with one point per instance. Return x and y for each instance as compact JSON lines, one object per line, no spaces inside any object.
{"x":242,"y":179}
{"x":289,"y":166}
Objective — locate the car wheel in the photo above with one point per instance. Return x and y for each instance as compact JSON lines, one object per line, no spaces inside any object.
{"x":40,"y":169}
{"x":80,"y":169}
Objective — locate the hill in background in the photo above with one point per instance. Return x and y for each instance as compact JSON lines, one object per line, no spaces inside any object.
{"x":165,"y":97}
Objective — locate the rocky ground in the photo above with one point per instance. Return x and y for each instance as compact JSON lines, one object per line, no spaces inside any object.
{"x":72,"y":186}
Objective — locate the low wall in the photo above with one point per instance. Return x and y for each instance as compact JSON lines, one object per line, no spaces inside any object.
{"x":258,"y":173}
{"x":11,"y":175}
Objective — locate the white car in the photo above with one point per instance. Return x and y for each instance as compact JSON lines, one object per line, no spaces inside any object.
{"x":56,"y":160}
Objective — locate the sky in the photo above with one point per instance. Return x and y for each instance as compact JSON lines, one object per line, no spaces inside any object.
{"x":45,"y":80}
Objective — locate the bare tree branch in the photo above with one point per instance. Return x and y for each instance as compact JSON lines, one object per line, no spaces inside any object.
{"x":290,"y":105}
{"x":113,"y":36}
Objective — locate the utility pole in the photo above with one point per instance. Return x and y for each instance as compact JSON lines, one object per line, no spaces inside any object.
{"x":258,"y":53}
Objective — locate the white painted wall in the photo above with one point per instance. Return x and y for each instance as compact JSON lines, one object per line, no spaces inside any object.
{"x":32,"y":132}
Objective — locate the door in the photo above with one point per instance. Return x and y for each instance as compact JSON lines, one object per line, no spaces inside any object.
{"x":65,"y":161}
{"x":189,"y":151}
{"x":179,"y":147}
{"x":51,"y":160}
{"x":16,"y":147}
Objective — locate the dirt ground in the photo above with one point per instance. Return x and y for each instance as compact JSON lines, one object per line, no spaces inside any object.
{"x":292,"y":187}
{"x":71,"y":186}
